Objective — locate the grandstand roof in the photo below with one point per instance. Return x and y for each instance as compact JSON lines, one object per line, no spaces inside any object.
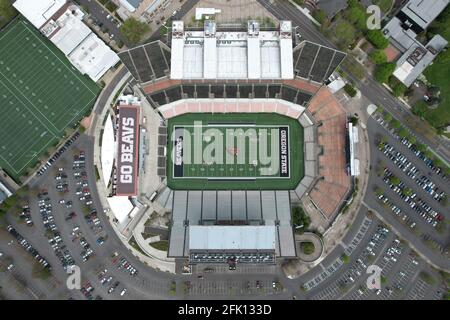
{"x":232,"y":238}
{"x":237,"y":208}
{"x":213,"y":54}
{"x":38,"y":12}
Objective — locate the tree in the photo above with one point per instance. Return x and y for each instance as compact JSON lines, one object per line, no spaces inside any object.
{"x":351,"y":91}
{"x":395,"y":124}
{"x":7,"y":11}
{"x":412,"y":139}
{"x":377,"y":38}
{"x":421,"y":147}
{"x":407,"y":192}
{"x":395,"y":180}
{"x":320,"y":16}
{"x":345,"y":33}
{"x":378,"y":57}
{"x":398,"y":89}
{"x":345,"y":258}
{"x":384,"y":71}
{"x":300,"y":219}
{"x":434,"y":91}
{"x":133,"y":30}
{"x":403,"y":133}
{"x":357,"y":16}
{"x":388,"y":117}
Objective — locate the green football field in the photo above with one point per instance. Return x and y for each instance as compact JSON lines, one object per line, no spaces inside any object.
{"x":42,"y":94}
{"x":234,"y":151}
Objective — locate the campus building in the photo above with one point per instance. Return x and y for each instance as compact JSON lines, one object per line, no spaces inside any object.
{"x":61,"y":22}
{"x":402,"y":31}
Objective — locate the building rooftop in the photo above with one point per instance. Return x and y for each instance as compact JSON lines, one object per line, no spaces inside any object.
{"x":62,"y":23}
{"x":71,"y":31}
{"x":130,"y":5}
{"x":93,"y":57}
{"x":423,"y":12}
{"x":415,"y":60}
{"x":38,"y":12}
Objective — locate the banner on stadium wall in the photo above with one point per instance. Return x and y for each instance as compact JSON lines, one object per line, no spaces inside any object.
{"x":127,"y":156}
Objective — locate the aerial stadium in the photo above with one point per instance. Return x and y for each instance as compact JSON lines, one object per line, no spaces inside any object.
{"x":244,"y":128}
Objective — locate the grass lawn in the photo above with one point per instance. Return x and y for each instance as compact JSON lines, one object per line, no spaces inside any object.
{"x":385,"y":5}
{"x":438,"y":74}
{"x":162,"y":245}
{"x":307,"y":247}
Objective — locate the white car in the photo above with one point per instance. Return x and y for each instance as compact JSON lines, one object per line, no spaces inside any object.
{"x":123,"y":292}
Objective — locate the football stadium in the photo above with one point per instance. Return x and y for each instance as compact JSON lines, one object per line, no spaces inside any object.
{"x":244,"y":129}
{"x":234,"y":151}
{"x":42,"y":95}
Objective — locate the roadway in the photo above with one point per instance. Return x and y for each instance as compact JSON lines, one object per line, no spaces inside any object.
{"x":379,"y":95}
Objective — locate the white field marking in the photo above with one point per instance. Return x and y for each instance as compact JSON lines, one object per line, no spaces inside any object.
{"x":27,"y":100}
{"x":31,"y":114}
{"x":64,"y":114}
{"x":60,"y":60}
{"x":37,"y":153}
{"x":24,"y":104}
{"x":227,"y":167}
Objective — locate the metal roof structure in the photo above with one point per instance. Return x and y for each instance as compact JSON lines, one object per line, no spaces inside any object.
{"x":232,"y":238}
{"x":234,"y":209}
{"x":213,"y":54}
{"x":422,"y":13}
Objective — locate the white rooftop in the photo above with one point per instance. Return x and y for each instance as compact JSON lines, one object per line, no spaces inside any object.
{"x":108,"y":150}
{"x":85,"y":50}
{"x":121,"y":207}
{"x":93,"y":57}
{"x":72,"y":31}
{"x":38,"y":12}
{"x":232,"y":237}
{"x":423,"y":12}
{"x":212,"y":54}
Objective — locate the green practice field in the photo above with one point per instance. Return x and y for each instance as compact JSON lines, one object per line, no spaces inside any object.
{"x":42,"y":94}
{"x":234,"y":151}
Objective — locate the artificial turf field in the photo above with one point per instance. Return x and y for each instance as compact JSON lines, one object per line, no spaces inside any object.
{"x":42,"y":94}
{"x":238,"y":170}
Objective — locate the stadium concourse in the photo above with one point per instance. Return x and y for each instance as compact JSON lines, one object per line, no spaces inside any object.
{"x":265,"y":77}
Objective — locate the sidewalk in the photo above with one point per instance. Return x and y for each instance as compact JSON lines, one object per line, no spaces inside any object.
{"x":101,"y":108}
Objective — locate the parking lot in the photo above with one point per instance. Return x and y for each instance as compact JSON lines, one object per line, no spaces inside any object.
{"x":407,"y":187}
